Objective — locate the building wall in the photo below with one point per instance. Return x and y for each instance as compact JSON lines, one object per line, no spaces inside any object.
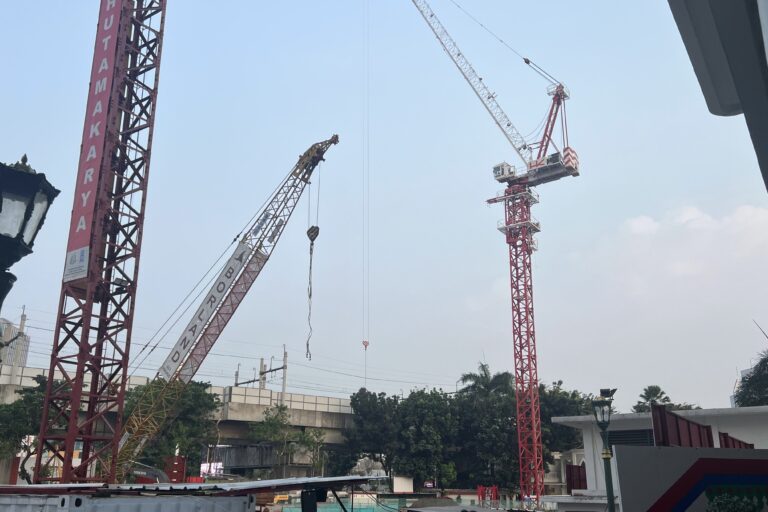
{"x":16,"y":353}
{"x":745,"y":423}
{"x":648,"y":472}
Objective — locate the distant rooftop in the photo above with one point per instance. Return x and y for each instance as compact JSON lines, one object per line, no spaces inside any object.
{"x":694,"y":414}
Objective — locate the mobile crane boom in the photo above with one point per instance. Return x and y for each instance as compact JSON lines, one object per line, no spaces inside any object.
{"x":219,"y":304}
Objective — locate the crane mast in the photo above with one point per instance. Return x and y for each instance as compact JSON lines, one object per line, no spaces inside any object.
{"x":519,"y":228}
{"x":87,"y":376}
{"x":222,"y":300}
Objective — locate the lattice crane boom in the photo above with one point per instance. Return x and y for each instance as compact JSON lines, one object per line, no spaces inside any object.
{"x":485,"y":95}
{"x":227,"y":292}
{"x":87,"y":376}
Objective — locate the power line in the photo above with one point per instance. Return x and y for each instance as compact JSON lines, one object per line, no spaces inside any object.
{"x":361,"y":376}
{"x":339,"y":371}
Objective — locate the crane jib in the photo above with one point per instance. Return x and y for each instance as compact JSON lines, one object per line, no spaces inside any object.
{"x":204,"y":313}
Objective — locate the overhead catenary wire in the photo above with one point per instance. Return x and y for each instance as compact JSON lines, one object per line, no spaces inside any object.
{"x":223,"y":373}
{"x":181,"y":315}
{"x":349,"y":363}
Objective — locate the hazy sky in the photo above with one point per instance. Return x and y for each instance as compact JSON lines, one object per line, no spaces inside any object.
{"x":651,"y":263}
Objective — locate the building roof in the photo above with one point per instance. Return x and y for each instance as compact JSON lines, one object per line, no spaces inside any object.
{"x":452,"y":508}
{"x":213,"y":489}
{"x":726,"y":43}
{"x":693,"y":414}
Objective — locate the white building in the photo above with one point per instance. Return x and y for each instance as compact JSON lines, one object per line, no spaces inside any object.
{"x":14,"y":343}
{"x":636,"y":429}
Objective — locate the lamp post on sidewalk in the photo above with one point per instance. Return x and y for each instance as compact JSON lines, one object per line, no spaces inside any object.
{"x":601,"y":407}
{"x":25,"y":197}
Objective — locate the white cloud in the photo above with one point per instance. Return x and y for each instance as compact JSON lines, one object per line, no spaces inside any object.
{"x":672,"y":295}
{"x":688,"y":242}
{"x":692,"y":217}
{"x":642,"y":225}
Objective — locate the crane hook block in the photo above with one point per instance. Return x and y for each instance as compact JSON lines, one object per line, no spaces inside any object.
{"x":312,"y":233}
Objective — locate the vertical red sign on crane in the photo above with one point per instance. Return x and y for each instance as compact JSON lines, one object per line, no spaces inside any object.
{"x":95,"y":141}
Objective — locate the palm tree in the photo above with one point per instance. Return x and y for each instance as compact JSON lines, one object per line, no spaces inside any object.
{"x":484,"y":383}
{"x":652,"y":394}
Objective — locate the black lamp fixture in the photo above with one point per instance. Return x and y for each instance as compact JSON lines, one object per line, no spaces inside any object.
{"x":25,"y":197}
{"x":601,"y":407}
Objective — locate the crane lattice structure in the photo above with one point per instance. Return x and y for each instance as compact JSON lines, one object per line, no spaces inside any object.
{"x":519,"y":227}
{"x":218,"y":306}
{"x":83,"y":407}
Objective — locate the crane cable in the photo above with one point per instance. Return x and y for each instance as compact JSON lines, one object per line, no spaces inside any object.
{"x":535,"y":67}
{"x":312,"y":231}
{"x":200,"y":291}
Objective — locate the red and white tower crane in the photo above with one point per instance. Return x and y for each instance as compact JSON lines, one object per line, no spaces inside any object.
{"x":88,"y":371}
{"x":519,"y":227}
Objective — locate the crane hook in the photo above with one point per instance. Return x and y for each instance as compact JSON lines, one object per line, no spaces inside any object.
{"x":312,"y":233}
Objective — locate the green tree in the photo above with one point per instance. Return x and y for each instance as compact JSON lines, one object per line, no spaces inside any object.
{"x":556,"y":401}
{"x":21,"y":419}
{"x":467,"y":439}
{"x":483,"y":383}
{"x":375,"y":429}
{"x":340,"y":458}
{"x":427,"y":427}
{"x":312,"y":440}
{"x":276,"y":430}
{"x":653,"y":394}
{"x":191,"y":430}
{"x":753,"y":389}
{"x":486,"y":438}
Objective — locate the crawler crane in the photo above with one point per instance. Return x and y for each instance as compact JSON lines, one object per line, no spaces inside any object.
{"x":211,"y":317}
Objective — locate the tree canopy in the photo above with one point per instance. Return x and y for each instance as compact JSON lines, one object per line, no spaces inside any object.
{"x":21,"y":419}
{"x":753,"y":389}
{"x":556,"y":401}
{"x":653,"y":394}
{"x":275,"y":429}
{"x":427,"y":426}
{"x":376,"y":428}
{"x":460,"y":439}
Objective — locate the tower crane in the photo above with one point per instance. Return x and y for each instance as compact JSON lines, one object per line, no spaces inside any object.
{"x":518,"y":226}
{"x":227,"y":292}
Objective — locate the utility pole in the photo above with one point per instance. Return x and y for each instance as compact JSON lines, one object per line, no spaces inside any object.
{"x":285,"y":370}
{"x":261,"y":376}
{"x":22,"y":325}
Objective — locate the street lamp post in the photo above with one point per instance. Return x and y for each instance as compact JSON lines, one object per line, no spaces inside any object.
{"x":25,"y":197}
{"x":601,"y":407}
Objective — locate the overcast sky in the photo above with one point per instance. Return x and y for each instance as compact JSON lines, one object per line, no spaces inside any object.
{"x":651,"y":263}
